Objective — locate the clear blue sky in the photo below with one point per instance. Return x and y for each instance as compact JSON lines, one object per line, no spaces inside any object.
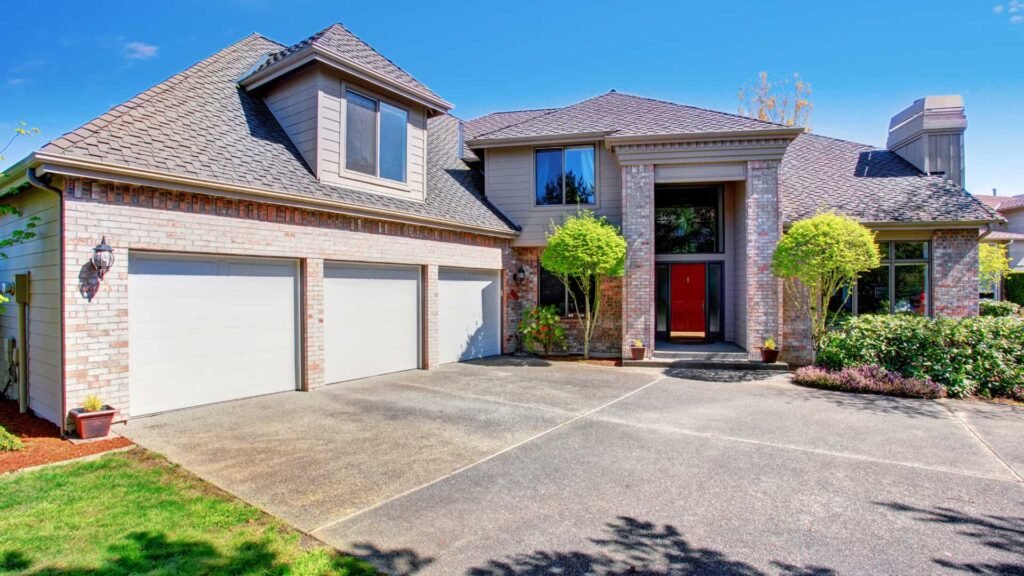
{"x":66,"y":62}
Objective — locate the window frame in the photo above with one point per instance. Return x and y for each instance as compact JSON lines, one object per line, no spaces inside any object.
{"x":563,"y":147}
{"x":375,"y":177}
{"x":890,"y":263}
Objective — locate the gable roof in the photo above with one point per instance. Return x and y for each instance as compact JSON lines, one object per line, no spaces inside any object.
{"x":820,"y":173}
{"x":199,"y":124}
{"x":350,"y":49}
{"x":1002,"y":203}
{"x":615,"y":114}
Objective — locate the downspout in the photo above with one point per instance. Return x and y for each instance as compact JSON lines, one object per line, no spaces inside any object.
{"x":34,"y":180}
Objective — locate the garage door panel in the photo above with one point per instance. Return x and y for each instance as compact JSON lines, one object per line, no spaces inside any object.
{"x":469,"y":314}
{"x":205,"y":330}
{"x":371,"y":320}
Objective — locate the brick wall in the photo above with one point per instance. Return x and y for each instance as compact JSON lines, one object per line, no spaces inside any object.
{"x":607,"y":334}
{"x":955,"y":272}
{"x":638,"y":313}
{"x":142,"y":218}
{"x":764,"y":228}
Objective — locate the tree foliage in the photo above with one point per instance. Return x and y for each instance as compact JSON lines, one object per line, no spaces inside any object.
{"x":817,"y":258}
{"x":582,"y":252}
{"x":787,"y":102}
{"x":993,"y":265}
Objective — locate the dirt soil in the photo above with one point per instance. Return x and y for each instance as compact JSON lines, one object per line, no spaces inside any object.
{"x":42,"y":441}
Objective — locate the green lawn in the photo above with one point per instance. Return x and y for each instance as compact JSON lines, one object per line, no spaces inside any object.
{"x":135,"y":513}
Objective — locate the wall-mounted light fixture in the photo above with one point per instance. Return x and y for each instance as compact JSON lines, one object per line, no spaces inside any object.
{"x":519,"y":276}
{"x":102,"y":257}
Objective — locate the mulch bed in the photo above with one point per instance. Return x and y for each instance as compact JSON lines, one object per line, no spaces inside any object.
{"x":579,"y":359}
{"x":42,"y":441}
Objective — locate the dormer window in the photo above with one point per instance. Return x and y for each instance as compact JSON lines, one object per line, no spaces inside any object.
{"x":375,"y":137}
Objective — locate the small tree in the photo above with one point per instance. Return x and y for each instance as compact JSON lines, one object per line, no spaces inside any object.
{"x":993,"y":265}
{"x":817,"y":258}
{"x":582,"y":252}
{"x":787,"y":102}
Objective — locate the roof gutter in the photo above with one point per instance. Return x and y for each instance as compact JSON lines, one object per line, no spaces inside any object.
{"x":77,"y":167}
{"x":30,"y":175}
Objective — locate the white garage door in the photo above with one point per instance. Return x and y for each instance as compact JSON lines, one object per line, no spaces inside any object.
{"x":205,"y":329}
{"x":371,"y":320}
{"x":469,"y":314}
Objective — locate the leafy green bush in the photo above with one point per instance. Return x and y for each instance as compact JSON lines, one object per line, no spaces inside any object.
{"x":540,"y":328}
{"x":999,"y":309}
{"x":1015,"y":288}
{"x":968,"y":356}
{"x":9,"y":442}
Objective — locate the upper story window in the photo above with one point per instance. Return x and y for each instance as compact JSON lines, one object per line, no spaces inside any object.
{"x":565,"y":175}
{"x":688,"y":219}
{"x":375,"y":137}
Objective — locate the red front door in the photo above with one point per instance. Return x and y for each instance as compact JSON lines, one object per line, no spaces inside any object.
{"x":687,"y":301}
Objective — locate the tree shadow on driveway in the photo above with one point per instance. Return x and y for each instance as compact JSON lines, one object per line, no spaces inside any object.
{"x":630,"y":548}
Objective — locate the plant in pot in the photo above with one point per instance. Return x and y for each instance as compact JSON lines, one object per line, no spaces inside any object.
{"x":638,"y":350}
{"x":93,"y":419}
{"x":769,"y":352}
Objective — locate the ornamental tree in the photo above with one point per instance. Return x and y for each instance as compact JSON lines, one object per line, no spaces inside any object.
{"x":817,"y":258}
{"x":582,"y":252}
{"x":993,"y":265}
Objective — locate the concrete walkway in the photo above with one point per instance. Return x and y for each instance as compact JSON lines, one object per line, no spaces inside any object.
{"x":510,"y":467}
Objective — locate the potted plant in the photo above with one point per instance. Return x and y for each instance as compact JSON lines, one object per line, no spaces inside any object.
{"x":93,"y":419}
{"x":638,"y":350}
{"x":769,"y":352}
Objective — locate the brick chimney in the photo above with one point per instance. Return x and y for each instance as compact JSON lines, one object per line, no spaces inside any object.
{"x":930,"y":135}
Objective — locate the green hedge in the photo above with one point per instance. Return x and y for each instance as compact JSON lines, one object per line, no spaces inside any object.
{"x":968,"y":356}
{"x":1015,"y":288}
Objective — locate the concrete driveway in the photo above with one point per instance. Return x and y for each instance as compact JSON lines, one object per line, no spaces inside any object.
{"x":507,"y":467}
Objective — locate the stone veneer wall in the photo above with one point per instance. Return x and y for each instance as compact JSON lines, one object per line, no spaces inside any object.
{"x":764,"y":228}
{"x":607,"y":334}
{"x":955,"y":273}
{"x":638,"y":315}
{"x":152,"y":219}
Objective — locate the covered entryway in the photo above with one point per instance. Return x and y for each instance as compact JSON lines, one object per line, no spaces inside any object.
{"x":208,"y":329}
{"x":371,"y":320}
{"x":469,"y":314}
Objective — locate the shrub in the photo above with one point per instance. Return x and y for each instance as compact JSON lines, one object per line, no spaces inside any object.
{"x":1015,"y":288}
{"x":999,"y":309}
{"x":968,"y":355}
{"x":9,"y":442}
{"x":869,"y":379}
{"x":540,"y":327}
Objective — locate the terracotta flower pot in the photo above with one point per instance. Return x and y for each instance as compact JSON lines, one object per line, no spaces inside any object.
{"x":93,"y":424}
{"x":638,"y":352}
{"x":769,"y":355}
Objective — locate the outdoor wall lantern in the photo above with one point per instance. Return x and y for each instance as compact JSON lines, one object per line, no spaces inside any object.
{"x":102,"y":257}
{"x":519,"y":276}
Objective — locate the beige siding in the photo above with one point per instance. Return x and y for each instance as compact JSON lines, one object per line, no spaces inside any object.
{"x":40,"y":257}
{"x":294,"y":103}
{"x":332,"y":142}
{"x":509,"y":186}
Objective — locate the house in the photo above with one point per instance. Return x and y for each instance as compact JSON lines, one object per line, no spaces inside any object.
{"x":1011,"y":230}
{"x":286,"y":217}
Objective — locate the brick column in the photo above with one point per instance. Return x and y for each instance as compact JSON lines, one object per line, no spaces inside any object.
{"x":312,"y":323}
{"x":638,"y":228}
{"x":955,"y":273}
{"x":764,"y":228}
{"x":431,"y":318}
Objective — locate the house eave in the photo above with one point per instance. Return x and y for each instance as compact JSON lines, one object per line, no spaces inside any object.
{"x":76,"y":167}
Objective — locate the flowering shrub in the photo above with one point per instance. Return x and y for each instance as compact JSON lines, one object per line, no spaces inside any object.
{"x":999,"y":309}
{"x":540,"y":327}
{"x":968,"y":355}
{"x":870,"y":380}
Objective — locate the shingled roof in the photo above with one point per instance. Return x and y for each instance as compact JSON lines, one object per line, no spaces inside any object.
{"x":199,"y":124}
{"x":612,"y":114}
{"x":343,"y":44}
{"x":871,"y":185}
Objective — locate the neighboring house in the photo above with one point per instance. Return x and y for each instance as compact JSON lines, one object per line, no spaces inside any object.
{"x":1011,"y":231}
{"x":290,"y":217}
